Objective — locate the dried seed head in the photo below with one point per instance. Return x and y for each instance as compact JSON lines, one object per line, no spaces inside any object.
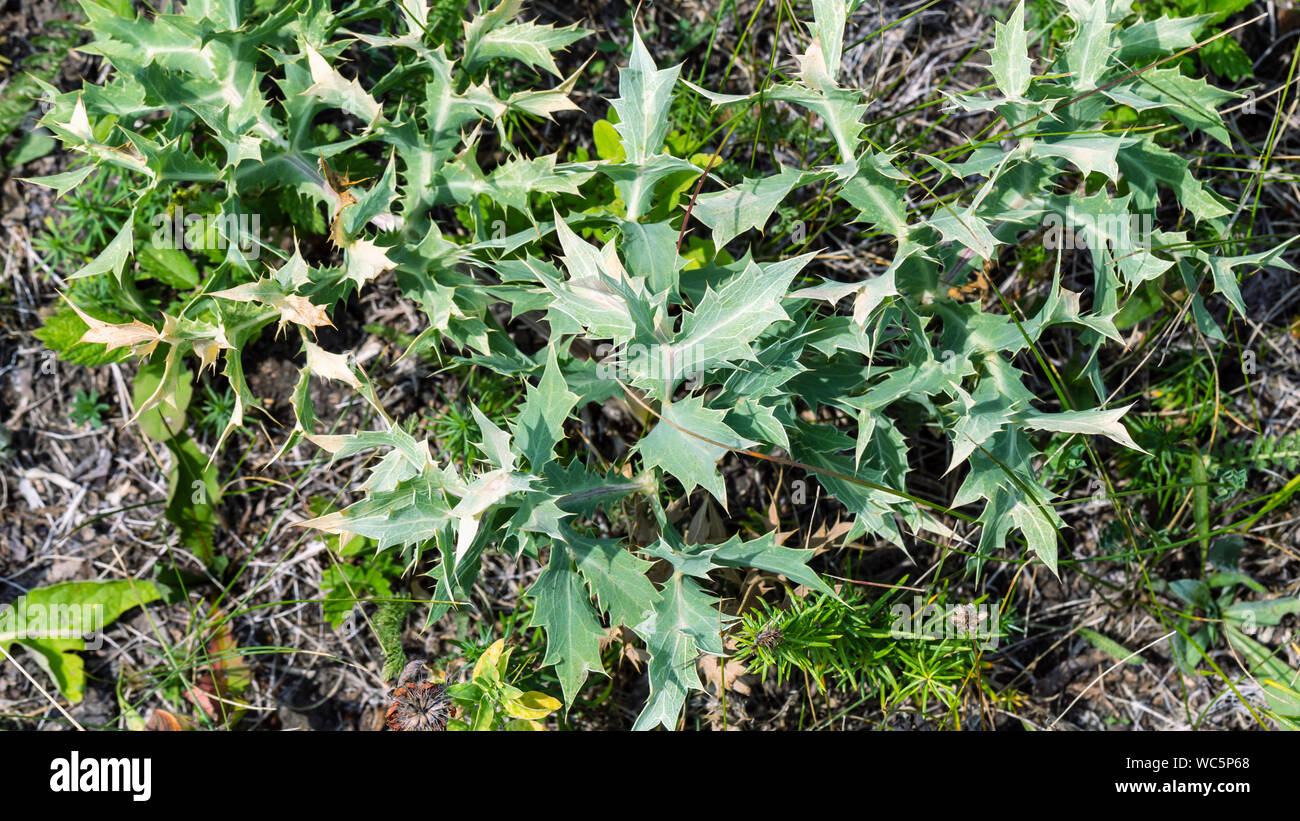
{"x":967,"y":618}
{"x":769,"y":637}
{"x":418,"y":706}
{"x":415,"y":703}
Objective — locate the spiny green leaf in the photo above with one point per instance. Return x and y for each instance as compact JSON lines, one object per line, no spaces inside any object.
{"x":541,"y":422}
{"x":765,"y":554}
{"x":1089,"y":52}
{"x":684,"y":624}
{"x":572,"y":632}
{"x":1011,"y":64}
{"x":410,"y":514}
{"x":529,"y":43}
{"x":689,"y":458}
{"x":1098,"y":422}
{"x":642,"y":106}
{"x":728,"y":321}
{"x":748,"y":205}
{"x":616,"y":578}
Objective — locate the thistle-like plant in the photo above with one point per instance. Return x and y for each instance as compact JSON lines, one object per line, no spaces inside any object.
{"x":724,"y":356}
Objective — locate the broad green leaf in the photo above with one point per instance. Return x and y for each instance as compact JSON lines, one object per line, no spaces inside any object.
{"x":1111,"y":647}
{"x":1267,"y":613}
{"x":1280,"y":684}
{"x":193,"y":493}
{"x":488,"y":664}
{"x":530,"y":707}
{"x":65,"y":613}
{"x":608,"y":144}
{"x":62,"y":331}
{"x":169,"y":266}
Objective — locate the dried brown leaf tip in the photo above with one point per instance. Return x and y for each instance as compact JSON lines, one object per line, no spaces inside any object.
{"x":415,"y":704}
{"x":337,"y":185}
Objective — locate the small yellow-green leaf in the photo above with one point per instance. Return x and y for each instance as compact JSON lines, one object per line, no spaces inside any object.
{"x":483,"y":716}
{"x":609,"y":146}
{"x":525,"y":726}
{"x":486,"y":666}
{"x":706,"y":160}
{"x":532,"y":705}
